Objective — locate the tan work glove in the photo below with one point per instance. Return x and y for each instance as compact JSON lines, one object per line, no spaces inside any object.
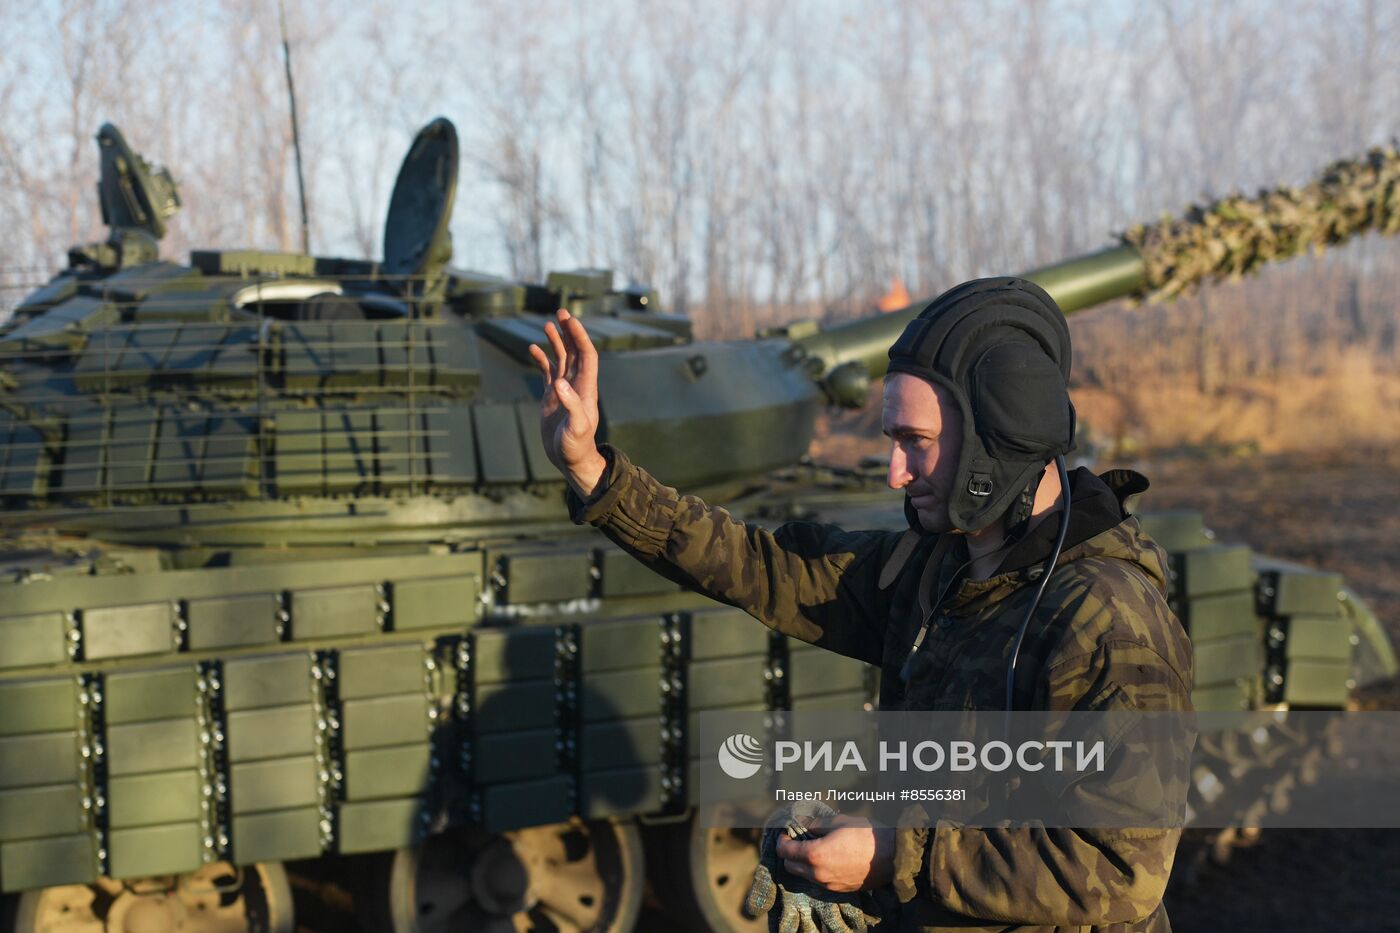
{"x":804,"y":906}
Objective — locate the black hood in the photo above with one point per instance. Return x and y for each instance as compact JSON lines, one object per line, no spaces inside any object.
{"x":1096,"y":505}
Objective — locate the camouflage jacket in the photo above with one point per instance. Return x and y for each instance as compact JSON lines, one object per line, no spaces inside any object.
{"x":1103,"y":637}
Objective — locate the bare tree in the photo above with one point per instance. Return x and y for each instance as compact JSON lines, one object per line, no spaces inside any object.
{"x":757,"y":161}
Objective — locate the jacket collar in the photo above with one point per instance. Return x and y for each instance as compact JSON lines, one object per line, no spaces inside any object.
{"x":1099,"y":526}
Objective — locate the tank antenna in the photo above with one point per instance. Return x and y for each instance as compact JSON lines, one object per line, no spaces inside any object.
{"x":296,"y":135}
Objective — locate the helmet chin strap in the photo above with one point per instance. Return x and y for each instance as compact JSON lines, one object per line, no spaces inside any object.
{"x":1018,"y":518}
{"x":1016,"y":521}
{"x":1045,"y":571}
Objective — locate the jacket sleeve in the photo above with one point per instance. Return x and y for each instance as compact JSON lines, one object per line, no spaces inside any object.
{"x":811,"y":581}
{"x":1045,"y":876}
{"x":1059,"y":876}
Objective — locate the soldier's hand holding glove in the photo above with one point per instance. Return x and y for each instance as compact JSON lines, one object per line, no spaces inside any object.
{"x":804,"y":906}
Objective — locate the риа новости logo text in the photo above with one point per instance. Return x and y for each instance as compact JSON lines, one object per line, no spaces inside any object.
{"x":741,"y":756}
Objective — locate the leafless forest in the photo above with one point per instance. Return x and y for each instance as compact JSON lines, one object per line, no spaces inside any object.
{"x":759,"y":161}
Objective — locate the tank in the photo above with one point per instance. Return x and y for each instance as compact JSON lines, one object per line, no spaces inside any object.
{"x":288,"y":579}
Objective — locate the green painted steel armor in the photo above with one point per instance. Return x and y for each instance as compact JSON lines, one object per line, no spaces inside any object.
{"x":287,"y":573}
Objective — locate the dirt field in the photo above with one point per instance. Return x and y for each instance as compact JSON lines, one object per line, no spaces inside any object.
{"x":1339,"y":512}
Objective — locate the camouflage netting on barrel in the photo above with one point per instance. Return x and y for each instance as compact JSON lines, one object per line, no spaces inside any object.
{"x":1235,"y":235}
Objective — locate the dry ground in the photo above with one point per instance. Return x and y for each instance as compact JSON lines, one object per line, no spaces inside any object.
{"x":1339,"y":511}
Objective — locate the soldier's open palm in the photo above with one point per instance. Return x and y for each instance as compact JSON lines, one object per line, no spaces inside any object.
{"x":569,"y":406}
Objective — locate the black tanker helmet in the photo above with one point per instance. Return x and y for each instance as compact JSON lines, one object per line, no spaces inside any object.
{"x":1000,"y":346}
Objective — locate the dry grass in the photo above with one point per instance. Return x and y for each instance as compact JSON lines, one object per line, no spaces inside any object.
{"x":1354,"y":403}
{"x":1302,"y":358}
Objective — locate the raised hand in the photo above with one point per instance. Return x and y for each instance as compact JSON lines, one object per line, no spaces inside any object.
{"x":569,"y":406}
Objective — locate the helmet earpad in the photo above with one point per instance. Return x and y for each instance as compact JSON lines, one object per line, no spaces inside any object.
{"x":1018,"y":416}
{"x":1020,"y":402}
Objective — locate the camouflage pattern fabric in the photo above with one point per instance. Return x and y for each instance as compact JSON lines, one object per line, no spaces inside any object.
{"x":1103,"y":637}
{"x":1236,"y":235}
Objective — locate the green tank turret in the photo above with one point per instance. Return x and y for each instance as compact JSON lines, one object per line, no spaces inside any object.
{"x":287,"y":576}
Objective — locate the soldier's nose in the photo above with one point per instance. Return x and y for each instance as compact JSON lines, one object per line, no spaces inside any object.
{"x":899,"y":475}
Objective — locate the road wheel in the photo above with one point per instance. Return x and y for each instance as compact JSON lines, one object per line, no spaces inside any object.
{"x":564,"y":878}
{"x":702,"y":874}
{"x":218,"y":898}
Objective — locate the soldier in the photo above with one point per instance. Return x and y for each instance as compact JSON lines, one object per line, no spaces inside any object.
{"x":984,"y":603}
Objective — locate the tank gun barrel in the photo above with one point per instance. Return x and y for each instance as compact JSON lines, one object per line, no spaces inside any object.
{"x":1226,"y":239}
